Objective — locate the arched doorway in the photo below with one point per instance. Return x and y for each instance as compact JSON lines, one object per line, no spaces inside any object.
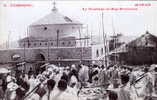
{"x":39,"y":57}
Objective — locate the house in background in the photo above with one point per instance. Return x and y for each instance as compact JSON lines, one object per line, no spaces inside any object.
{"x":142,"y":50}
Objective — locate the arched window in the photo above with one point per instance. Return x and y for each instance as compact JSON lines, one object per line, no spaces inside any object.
{"x":97,"y":53}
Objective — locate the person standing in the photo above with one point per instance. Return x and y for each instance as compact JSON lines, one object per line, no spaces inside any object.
{"x":124,"y":90}
{"x":155,"y":80}
{"x":83,"y":75}
{"x":50,"y":86}
{"x":10,"y":93}
{"x":1,"y":90}
{"x":115,"y":77}
{"x":147,"y":89}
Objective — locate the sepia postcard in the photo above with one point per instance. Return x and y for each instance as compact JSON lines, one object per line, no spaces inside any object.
{"x":78,"y":50}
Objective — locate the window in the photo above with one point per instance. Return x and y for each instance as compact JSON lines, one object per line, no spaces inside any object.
{"x":29,"y":44}
{"x":35,"y":44}
{"x":57,"y":31}
{"x":40,"y":43}
{"x":102,"y":51}
{"x":45,"y":43}
{"x":97,"y":53}
{"x":45,"y":28}
{"x":63,"y":43}
{"x":52,"y":43}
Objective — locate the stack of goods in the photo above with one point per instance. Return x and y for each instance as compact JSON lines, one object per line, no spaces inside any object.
{"x":92,"y":93}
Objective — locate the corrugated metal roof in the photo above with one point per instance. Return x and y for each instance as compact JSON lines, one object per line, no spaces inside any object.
{"x":55,"y":18}
{"x":146,"y":40}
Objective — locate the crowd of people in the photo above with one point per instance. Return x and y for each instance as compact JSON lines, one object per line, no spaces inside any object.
{"x":66,"y":83}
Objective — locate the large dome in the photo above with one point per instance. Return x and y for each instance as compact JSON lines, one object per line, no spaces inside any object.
{"x":53,"y":25}
{"x":55,"y":18}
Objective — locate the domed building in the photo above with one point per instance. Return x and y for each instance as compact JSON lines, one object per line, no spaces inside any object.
{"x":56,"y":39}
{"x":54,"y":30}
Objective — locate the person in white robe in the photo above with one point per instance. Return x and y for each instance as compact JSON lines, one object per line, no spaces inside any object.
{"x":50,"y":90}
{"x":32,"y":83}
{"x":147,"y":86}
{"x":62,"y":92}
{"x":83,"y":74}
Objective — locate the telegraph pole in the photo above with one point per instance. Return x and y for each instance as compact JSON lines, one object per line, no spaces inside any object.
{"x":104,"y":39}
{"x":57,"y":38}
{"x":115,"y":41}
{"x":80,"y":45}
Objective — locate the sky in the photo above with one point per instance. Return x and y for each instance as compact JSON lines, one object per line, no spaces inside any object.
{"x":15,"y":20}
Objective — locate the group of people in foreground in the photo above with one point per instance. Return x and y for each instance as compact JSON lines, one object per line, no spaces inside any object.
{"x":66,"y":83}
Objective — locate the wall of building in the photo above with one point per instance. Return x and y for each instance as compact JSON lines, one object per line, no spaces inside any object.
{"x":64,"y":42}
{"x":97,"y":50}
{"x":31,"y":54}
{"x":46,"y":31}
{"x":137,"y":56}
{"x":143,"y":55}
